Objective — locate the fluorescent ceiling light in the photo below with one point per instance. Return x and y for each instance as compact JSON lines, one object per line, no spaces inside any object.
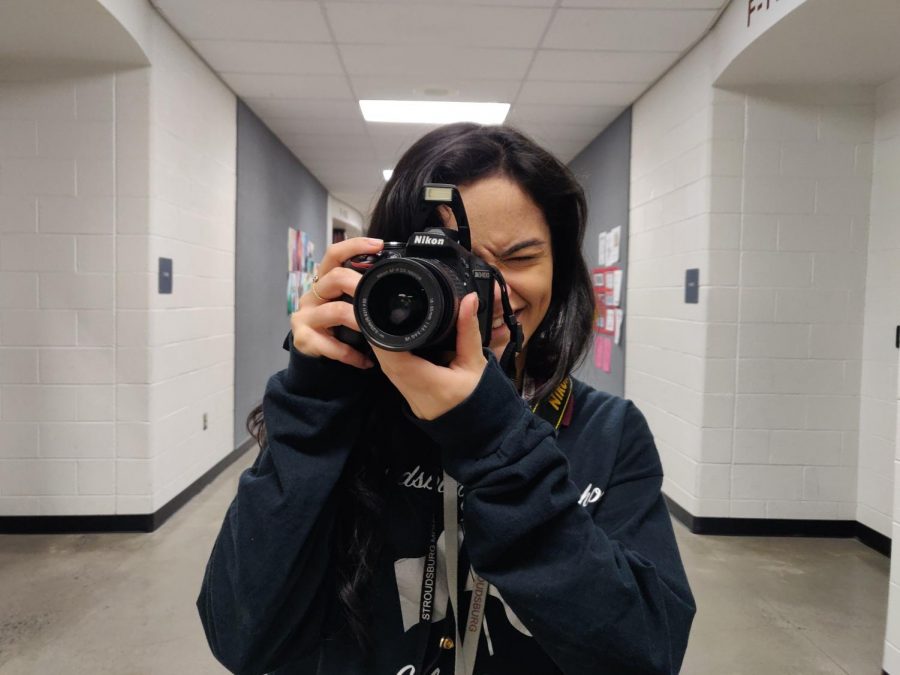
{"x":433,"y":112}
{"x":388,"y":173}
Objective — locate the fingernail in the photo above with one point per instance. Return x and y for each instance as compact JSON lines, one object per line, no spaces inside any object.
{"x":475,"y":308}
{"x":374,"y":242}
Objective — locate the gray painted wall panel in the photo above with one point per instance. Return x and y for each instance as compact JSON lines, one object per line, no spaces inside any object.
{"x":604,"y":169}
{"x":274,"y":192}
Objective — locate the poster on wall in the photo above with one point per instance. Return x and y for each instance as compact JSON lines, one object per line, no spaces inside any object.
{"x":619,"y":317}
{"x":302,"y":267}
{"x":602,"y":353}
{"x":294,"y":285}
{"x":293,"y":251}
{"x":613,"y":242}
{"x":608,"y":284}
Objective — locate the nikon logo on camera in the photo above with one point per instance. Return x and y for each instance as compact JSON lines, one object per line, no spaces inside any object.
{"x":427,"y":240}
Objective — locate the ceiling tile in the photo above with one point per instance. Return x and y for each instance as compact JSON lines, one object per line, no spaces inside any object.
{"x":593,"y":66}
{"x":496,"y":3}
{"x":389,"y":154}
{"x":268,"y":20}
{"x":275,"y":109}
{"x":347,"y":175}
{"x":319,"y":126}
{"x":418,"y":88}
{"x":392,"y":140}
{"x":336,"y":180}
{"x":439,"y":24}
{"x":459,"y":62}
{"x":390,"y":133}
{"x":316,"y":142}
{"x":566,"y":152}
{"x":522,"y":113}
{"x":580,"y":93}
{"x":646,"y":4}
{"x":307,"y":151}
{"x":288,"y":86}
{"x":283,"y":127}
{"x":363,"y":202}
{"x":550,"y":133}
{"x":563,"y":148}
{"x":627,"y":30}
{"x":278,"y":58}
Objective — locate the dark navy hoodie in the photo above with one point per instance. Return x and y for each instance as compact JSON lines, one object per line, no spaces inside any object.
{"x":568,"y":526}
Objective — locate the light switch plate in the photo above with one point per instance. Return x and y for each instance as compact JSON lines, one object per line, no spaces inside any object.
{"x":692,"y":286}
{"x":165,"y":275}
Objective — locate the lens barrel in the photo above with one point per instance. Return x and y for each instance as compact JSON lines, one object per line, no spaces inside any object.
{"x":408,"y":303}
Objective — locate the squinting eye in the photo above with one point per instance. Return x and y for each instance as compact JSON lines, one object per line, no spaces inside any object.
{"x":523,"y":258}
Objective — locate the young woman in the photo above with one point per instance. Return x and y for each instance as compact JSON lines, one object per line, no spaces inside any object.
{"x":335,"y":554}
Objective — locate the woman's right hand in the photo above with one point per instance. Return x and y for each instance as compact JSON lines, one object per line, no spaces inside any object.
{"x":312,"y":324}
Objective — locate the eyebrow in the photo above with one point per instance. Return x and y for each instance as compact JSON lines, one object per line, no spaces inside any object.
{"x":515,"y":248}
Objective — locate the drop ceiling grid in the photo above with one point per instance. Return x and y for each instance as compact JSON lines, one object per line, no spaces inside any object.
{"x":568,"y":67}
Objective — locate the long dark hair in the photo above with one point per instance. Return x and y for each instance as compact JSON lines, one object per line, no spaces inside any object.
{"x":464,"y":153}
{"x":461,"y":154}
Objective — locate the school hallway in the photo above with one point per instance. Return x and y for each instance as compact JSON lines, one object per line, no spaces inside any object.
{"x":173,"y":172}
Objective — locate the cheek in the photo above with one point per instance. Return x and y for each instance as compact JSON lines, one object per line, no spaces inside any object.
{"x":534,"y":287}
{"x":540,"y":286}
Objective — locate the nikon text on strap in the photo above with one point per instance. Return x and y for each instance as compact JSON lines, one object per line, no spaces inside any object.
{"x":553,"y":406}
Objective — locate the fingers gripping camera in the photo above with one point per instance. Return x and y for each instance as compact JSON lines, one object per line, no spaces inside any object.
{"x":409,"y":296}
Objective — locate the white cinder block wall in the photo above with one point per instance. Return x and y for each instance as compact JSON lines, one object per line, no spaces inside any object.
{"x":878,"y":405}
{"x":754,"y":393}
{"x":886,"y":232}
{"x":669,"y":230}
{"x":804,"y":216}
{"x":190,"y":170}
{"x":103,"y":382}
{"x":57,"y":297}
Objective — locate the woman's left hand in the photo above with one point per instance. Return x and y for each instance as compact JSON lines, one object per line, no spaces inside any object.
{"x":433,"y":390}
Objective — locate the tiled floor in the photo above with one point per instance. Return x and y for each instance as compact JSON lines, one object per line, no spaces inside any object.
{"x":785,"y":605}
{"x":124,"y":603}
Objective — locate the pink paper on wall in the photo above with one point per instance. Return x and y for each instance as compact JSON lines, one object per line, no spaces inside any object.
{"x":602,"y":352}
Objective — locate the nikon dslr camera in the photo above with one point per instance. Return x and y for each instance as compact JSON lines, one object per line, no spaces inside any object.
{"x":409,"y":296}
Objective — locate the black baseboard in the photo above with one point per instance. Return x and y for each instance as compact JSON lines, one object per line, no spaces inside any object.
{"x":747,"y":527}
{"x":766,"y":527}
{"x":124,"y":523}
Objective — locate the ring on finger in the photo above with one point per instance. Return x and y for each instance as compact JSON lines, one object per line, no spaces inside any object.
{"x":315,"y":292}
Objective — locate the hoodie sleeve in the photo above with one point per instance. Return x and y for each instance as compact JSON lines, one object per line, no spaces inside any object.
{"x":264,"y":595}
{"x":607,"y":592}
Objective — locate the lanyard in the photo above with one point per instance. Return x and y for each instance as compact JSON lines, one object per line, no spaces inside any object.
{"x":467,"y":647}
{"x":465,"y":656}
{"x":426,"y":606}
{"x":552,"y":409}
{"x":428,"y":589}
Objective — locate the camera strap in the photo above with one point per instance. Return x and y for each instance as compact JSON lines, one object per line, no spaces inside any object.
{"x":553,"y":409}
{"x":555,"y":406}
{"x":516,"y":336}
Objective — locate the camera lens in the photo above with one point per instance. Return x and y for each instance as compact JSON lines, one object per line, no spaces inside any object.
{"x":398,"y":305}
{"x":407,"y":303}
